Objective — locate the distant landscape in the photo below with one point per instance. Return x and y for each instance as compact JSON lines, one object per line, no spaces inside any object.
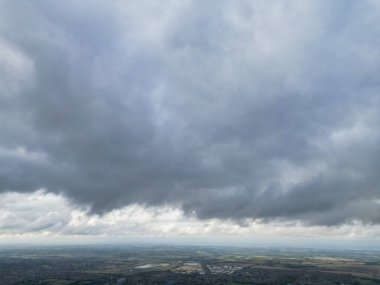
{"x":170,"y":265}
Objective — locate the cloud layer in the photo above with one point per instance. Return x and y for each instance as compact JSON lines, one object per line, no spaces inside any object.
{"x":41,"y":216}
{"x":266,"y":110}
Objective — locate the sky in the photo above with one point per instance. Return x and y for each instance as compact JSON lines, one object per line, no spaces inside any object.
{"x":194,"y":121}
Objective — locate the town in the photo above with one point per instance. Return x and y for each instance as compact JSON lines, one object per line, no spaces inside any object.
{"x":174,"y":265}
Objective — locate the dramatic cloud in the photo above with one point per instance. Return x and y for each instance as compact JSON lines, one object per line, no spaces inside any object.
{"x":267,"y":110}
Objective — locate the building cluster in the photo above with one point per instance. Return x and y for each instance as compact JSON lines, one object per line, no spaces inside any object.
{"x":223,"y":269}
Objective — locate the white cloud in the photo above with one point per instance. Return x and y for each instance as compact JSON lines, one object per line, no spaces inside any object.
{"x":28,"y":217}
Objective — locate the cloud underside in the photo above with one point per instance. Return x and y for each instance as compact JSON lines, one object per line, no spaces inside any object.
{"x":46,"y":216}
{"x":266,"y":110}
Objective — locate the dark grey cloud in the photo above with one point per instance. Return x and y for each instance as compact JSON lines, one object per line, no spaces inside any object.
{"x":265,"y":110}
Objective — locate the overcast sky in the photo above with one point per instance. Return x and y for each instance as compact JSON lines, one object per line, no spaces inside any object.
{"x":190,"y":118}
